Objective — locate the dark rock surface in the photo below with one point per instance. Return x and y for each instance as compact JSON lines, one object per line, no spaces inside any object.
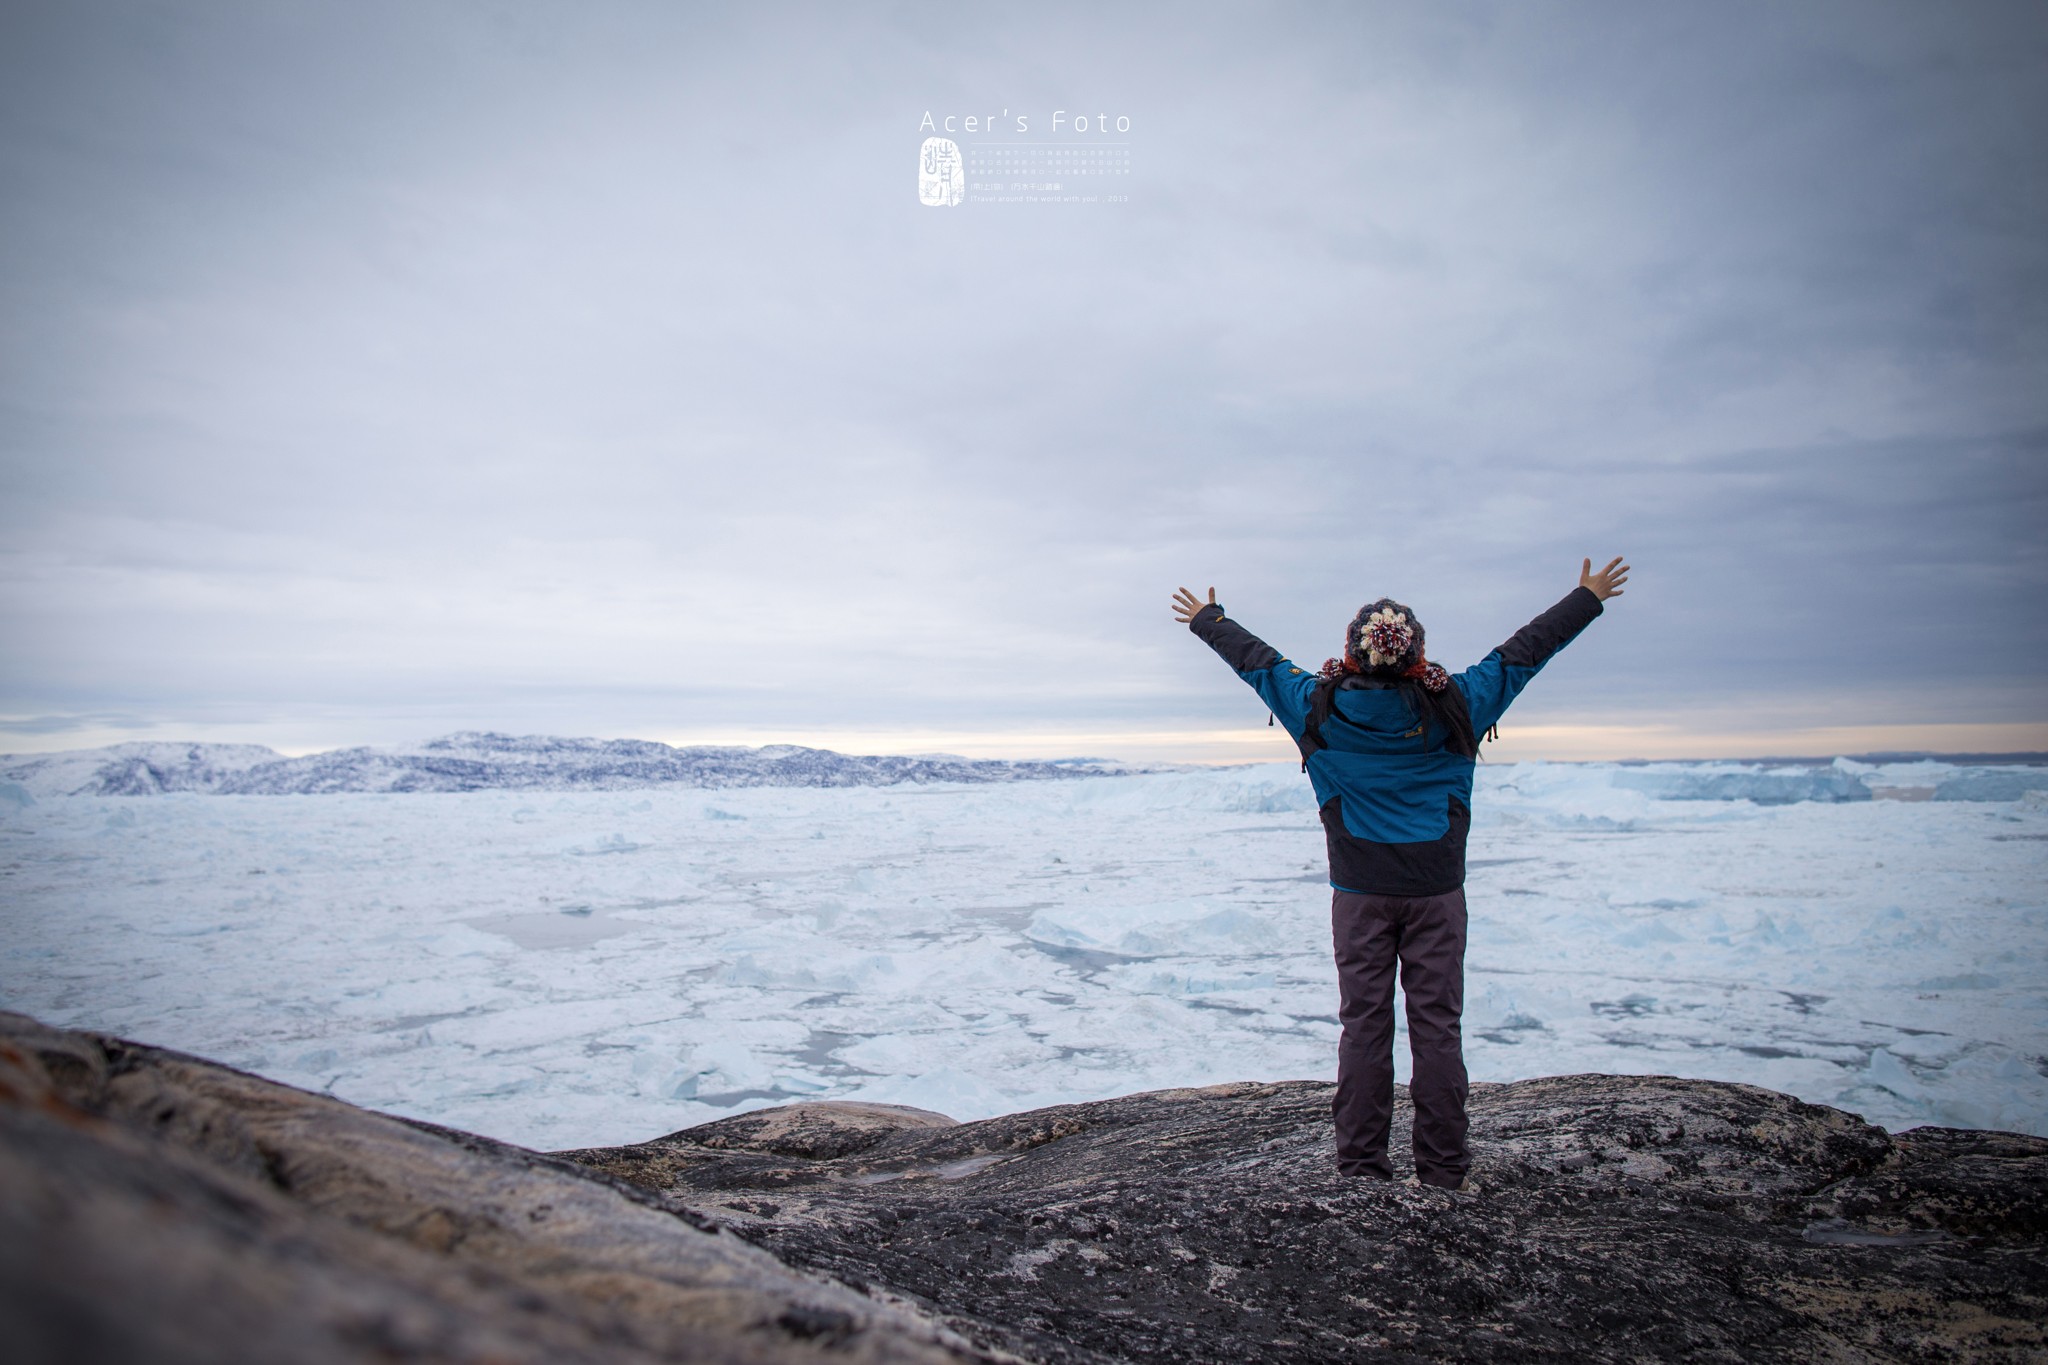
{"x":1620,"y":1218}
{"x":156,"y":1207}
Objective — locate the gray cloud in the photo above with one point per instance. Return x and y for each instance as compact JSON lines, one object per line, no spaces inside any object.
{"x":598,"y":371}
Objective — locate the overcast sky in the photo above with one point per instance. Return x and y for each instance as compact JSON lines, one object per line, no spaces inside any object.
{"x":370,"y":371}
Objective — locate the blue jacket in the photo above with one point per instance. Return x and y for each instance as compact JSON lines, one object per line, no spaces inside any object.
{"x":1396,"y":803}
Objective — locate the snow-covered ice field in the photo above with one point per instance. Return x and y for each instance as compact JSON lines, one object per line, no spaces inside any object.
{"x":586,"y":968}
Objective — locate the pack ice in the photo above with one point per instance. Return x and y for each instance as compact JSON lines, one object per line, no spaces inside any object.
{"x":593,"y":966}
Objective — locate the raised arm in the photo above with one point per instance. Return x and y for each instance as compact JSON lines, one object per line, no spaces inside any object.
{"x":1492,"y":683}
{"x":1282,"y":686}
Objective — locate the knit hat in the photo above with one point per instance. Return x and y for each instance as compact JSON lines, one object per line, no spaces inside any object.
{"x":1385,"y":640}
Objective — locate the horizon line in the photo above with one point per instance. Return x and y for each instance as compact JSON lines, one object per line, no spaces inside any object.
{"x":1968,"y":743}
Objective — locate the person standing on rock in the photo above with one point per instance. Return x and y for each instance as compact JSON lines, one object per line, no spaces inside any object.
{"x":1388,"y":740}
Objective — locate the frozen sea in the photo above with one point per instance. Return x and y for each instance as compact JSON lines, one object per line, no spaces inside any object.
{"x":604,"y":967}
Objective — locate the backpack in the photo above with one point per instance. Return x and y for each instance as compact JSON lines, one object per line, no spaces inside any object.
{"x":1324,"y":699}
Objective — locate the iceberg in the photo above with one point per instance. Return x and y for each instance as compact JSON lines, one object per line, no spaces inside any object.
{"x":481,"y":761}
{"x":1993,"y":784}
{"x":1766,"y":786}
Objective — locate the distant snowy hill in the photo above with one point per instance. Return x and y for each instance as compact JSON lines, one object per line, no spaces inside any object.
{"x":473,"y":761}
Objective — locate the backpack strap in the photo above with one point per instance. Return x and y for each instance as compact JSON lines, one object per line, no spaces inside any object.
{"x":1320,"y":703}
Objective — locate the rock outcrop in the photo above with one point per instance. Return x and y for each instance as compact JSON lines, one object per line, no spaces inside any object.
{"x":155,"y":1207}
{"x":1619,"y":1218}
{"x":158,"y":1208}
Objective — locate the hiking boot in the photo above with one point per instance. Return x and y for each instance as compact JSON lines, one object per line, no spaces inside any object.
{"x":1466,"y":1186}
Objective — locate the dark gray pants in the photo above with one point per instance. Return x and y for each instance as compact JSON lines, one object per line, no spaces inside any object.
{"x":1426,"y":936}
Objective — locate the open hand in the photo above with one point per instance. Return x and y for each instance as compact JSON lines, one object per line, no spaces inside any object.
{"x":1607,"y":583}
{"x":1186,"y":604}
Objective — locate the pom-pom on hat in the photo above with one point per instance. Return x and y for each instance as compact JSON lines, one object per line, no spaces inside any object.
{"x":1384,"y":638}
